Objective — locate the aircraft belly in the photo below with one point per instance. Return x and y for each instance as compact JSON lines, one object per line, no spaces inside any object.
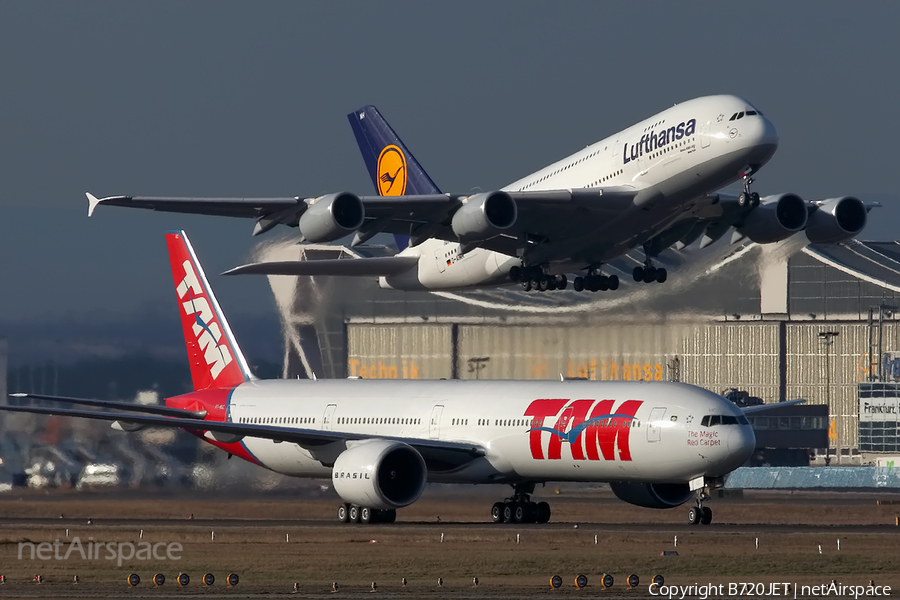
{"x":286,"y":458}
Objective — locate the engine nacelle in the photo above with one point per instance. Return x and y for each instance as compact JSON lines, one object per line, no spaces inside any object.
{"x":484,"y":216}
{"x":331,"y":217}
{"x":379,"y":474}
{"x":836,"y":220}
{"x":653,"y":495}
{"x":775,"y":219}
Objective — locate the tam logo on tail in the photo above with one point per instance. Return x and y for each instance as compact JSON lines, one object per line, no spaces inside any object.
{"x":206,"y":330}
{"x":216,"y":360}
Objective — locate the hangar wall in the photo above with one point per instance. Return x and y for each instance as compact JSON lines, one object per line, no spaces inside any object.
{"x":769,"y":359}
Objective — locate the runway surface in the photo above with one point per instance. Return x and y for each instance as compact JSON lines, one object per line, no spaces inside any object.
{"x":273,"y":542}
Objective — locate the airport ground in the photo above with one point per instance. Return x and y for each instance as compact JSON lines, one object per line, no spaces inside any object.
{"x":273,"y":541}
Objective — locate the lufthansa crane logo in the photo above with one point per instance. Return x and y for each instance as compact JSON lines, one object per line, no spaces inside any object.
{"x":391,"y":172}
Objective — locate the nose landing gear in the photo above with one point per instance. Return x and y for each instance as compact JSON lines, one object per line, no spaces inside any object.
{"x":700,"y":514}
{"x":748,"y":199}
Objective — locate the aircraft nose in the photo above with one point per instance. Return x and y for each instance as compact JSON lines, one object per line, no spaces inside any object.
{"x":769,"y":134}
{"x":741,"y":443}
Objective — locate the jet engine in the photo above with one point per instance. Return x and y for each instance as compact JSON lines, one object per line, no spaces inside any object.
{"x":484,"y":216}
{"x":653,"y":495}
{"x":836,"y":220}
{"x":775,"y":219}
{"x":332,"y":217}
{"x":380,"y":474}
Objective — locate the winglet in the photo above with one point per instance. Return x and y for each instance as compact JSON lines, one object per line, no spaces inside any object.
{"x":93,"y":201}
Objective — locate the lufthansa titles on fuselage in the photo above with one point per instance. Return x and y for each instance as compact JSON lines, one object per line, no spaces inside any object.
{"x":652,"y":140}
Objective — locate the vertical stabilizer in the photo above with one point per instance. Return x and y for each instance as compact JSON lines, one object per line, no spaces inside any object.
{"x":392,"y":167}
{"x":215,"y":358}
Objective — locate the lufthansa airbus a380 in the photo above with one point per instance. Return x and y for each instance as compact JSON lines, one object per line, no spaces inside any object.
{"x":381,"y":442}
{"x":652,"y":185}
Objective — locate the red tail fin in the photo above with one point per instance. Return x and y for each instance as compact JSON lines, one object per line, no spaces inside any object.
{"x":216,"y":360}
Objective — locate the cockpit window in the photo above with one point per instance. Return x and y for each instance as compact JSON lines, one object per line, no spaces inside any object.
{"x":740,"y":116}
{"x":733,"y":117}
{"x":751,"y":113}
{"x":715,"y":420}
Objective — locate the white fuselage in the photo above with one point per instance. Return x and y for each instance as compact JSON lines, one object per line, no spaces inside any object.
{"x":684,"y":152}
{"x":604,"y":431}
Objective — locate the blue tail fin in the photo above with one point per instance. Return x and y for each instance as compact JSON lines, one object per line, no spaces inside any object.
{"x":392,"y":167}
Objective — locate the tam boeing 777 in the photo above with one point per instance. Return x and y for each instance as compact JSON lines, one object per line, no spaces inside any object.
{"x":380,"y":443}
{"x":651,"y":186}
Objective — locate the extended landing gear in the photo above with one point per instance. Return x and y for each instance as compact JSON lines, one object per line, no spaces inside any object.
{"x":534,"y":278}
{"x":353,"y":513}
{"x":595,"y":281}
{"x":700,"y":514}
{"x":648,"y":273}
{"x":748,"y":199}
{"x":519,"y":508}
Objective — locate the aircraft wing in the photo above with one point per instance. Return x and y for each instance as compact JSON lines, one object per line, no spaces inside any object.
{"x":438,"y":455}
{"x":764,"y":407}
{"x":384,"y":266}
{"x":541,"y":214}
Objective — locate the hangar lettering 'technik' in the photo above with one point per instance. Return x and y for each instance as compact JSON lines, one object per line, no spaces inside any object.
{"x":781,"y":322}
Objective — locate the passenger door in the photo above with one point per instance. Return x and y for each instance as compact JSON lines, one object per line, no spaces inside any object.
{"x":656,"y":415}
{"x":434,"y":426}
{"x":328,"y":417}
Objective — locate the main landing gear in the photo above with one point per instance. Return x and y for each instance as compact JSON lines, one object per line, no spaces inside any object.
{"x":534,"y":278}
{"x":648,"y":273}
{"x":596,"y":281}
{"x":700,"y":514}
{"x":519,"y":508}
{"x":353,"y":513}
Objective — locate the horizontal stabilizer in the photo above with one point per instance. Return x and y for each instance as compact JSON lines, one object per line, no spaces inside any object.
{"x":385,"y":266}
{"x":151,"y":409}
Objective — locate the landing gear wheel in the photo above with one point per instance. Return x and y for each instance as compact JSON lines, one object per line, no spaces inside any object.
{"x":353,"y":514}
{"x":592,"y":282}
{"x":551,"y":283}
{"x":694,"y":515}
{"x":649,"y":274}
{"x":613,"y":282}
{"x":497,"y":512}
{"x":519,"y":515}
{"x":578,"y":284}
{"x":754,"y":199}
{"x":543,"y":512}
{"x":561,"y":282}
{"x":638,"y":274}
{"x":744,"y":200}
{"x":507,"y":512}
{"x":365,"y":515}
{"x":526,"y":285}
{"x":389,"y":516}
{"x":343,"y":513}
{"x":661,"y":275}
{"x":705,"y":515}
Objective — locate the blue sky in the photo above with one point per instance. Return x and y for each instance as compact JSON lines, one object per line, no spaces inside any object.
{"x":250,"y":98}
